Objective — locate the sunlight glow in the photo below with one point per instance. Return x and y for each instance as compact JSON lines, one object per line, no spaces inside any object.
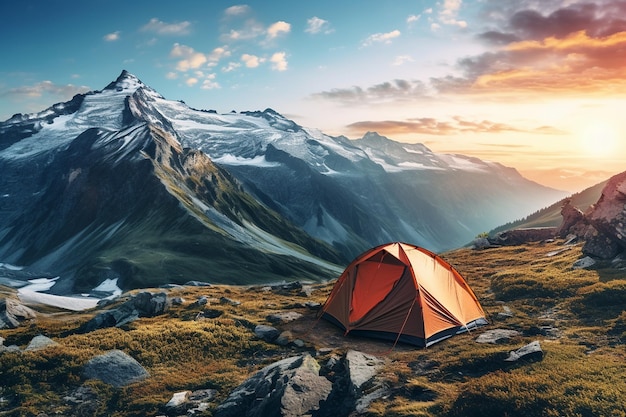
{"x":598,"y":139}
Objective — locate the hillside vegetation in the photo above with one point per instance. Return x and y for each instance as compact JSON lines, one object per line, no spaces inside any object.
{"x":551,"y":216}
{"x":577,"y":316}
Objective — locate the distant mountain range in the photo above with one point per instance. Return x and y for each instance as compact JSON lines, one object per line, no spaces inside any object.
{"x":124,"y":184}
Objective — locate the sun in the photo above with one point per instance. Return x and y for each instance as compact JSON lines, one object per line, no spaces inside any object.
{"x":598,"y":139}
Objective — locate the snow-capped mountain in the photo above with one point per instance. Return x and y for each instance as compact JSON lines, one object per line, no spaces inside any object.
{"x":125,"y":184}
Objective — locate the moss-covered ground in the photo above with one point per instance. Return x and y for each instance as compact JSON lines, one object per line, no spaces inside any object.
{"x":578,"y":316}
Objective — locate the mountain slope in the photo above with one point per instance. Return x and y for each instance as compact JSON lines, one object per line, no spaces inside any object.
{"x":125,"y":200}
{"x":124,"y":184}
{"x":551,"y":216}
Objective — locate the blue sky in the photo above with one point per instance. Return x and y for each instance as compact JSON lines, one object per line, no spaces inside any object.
{"x":527,"y":83}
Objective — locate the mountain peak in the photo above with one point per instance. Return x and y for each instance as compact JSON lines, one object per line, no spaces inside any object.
{"x":125,"y":81}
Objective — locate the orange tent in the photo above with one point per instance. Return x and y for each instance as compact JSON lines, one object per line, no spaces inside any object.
{"x":403,"y":293}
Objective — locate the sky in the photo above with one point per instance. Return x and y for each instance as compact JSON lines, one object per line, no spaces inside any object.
{"x":538,"y":85}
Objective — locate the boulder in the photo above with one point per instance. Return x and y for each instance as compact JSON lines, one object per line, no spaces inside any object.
{"x":39,"y":343}
{"x":229,"y":301}
{"x":362,"y":370}
{"x":144,"y":304}
{"x":178,"y":402}
{"x":115,"y":368}
{"x":267,"y":333}
{"x":584,"y":263}
{"x":151,"y":305}
{"x":600,"y":246}
{"x":572,"y":219}
{"x":83,"y":401}
{"x":12,"y":313}
{"x":283,"y":317}
{"x":530,"y":352}
{"x":290,"y":387}
{"x":481,"y":243}
{"x":520,"y":236}
{"x":603,"y":226}
{"x":608,"y":215}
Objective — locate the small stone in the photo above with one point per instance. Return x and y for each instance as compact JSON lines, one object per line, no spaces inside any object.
{"x":178,"y":399}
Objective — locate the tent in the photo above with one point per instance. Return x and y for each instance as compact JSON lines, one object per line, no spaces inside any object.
{"x":404,"y":293}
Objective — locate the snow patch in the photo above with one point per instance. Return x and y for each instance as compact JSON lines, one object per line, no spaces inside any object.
{"x":110,"y":286}
{"x":258,"y":161}
{"x":30,"y":297}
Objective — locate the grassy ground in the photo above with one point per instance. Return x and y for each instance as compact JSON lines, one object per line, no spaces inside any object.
{"x":578,"y":317}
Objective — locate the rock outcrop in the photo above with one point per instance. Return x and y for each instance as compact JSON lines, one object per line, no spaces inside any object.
{"x":603,"y":226}
{"x":12,"y":313}
{"x":300,"y":386}
{"x":144,"y":304}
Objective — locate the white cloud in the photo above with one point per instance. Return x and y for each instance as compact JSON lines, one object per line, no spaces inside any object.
{"x":179,"y":51}
{"x":194,"y":60}
{"x":63,"y":92}
{"x":401,"y":59}
{"x":113,"y":36}
{"x":381,"y":37}
{"x":157,"y":26}
{"x":191,"y":81}
{"x":231,"y":66}
{"x":448,"y":14}
{"x":219,"y":53}
{"x":316,"y":25}
{"x":251,"y":61}
{"x":237,"y":10}
{"x":209,"y":83}
{"x":277,"y":28}
{"x":413,"y":18}
{"x":279,"y":61}
{"x":435,"y":27}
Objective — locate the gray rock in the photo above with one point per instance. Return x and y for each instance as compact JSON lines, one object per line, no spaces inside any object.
{"x":283,"y":317}
{"x":267,"y":333}
{"x":12,"y":313}
{"x":601,"y":246}
{"x":290,"y":387}
{"x":144,"y":304}
{"x":226,"y":300}
{"x":497,"y":336}
{"x":481,"y":243}
{"x":151,"y":305}
{"x":178,"y":400}
{"x":84,"y":401}
{"x":284,"y":338}
{"x":10,"y":348}
{"x":362,"y":368}
{"x":39,"y":343}
{"x":530,"y":352}
{"x":115,"y":368}
{"x":584,"y":263}
{"x":506,"y":313}
{"x":177,"y":301}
